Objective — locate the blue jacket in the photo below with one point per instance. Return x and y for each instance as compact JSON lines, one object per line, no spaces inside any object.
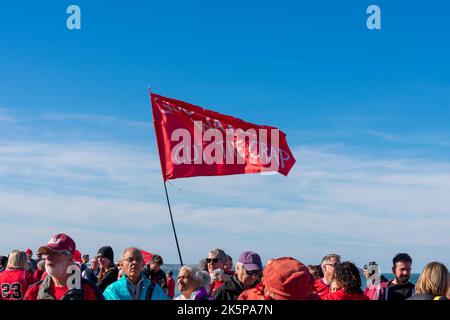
{"x":121,"y":290}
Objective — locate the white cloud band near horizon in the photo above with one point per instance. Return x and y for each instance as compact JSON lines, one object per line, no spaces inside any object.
{"x":107,"y":191}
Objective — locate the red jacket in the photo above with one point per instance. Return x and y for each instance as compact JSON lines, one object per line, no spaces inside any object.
{"x":341,"y":295}
{"x":321,"y":287}
{"x":38,"y":274}
{"x":256,"y":293}
{"x":170,"y":287}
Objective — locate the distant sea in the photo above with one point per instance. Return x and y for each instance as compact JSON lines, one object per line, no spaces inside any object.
{"x":413,"y":279}
{"x":176,"y":267}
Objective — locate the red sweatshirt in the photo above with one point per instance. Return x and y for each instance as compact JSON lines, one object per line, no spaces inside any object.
{"x":321,"y":287}
{"x":341,"y":295}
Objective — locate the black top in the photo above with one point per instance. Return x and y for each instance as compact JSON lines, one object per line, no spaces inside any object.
{"x":400,"y":291}
{"x":109,"y":277}
{"x":33,"y":265}
{"x":230,"y":290}
{"x":425,"y":296}
{"x":90,"y":275}
{"x":157,"y":277}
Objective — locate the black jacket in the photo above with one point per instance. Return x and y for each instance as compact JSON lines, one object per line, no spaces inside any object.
{"x":397,"y":291}
{"x":425,"y":296}
{"x":156,"y":277}
{"x":90,"y":275}
{"x":230,"y":290}
{"x":109,"y":277}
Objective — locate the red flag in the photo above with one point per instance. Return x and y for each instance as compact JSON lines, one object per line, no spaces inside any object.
{"x":194,"y":141}
{"x":147,"y":256}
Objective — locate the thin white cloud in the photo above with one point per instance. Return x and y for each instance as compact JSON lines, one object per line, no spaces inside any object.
{"x":95,"y":119}
{"x":77,"y":163}
{"x":6,"y":116}
{"x":438,"y":139}
{"x":383,"y":135}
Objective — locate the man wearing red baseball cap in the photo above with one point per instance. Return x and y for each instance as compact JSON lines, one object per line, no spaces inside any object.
{"x":32,"y":264}
{"x":63,"y":281}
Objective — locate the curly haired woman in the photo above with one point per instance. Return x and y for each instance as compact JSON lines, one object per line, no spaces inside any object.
{"x":348,"y":279}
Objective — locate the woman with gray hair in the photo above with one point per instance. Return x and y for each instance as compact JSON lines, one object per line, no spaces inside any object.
{"x":215,"y":262}
{"x":192,"y":283}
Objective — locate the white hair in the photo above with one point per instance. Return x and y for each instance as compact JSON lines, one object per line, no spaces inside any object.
{"x":199,"y":276}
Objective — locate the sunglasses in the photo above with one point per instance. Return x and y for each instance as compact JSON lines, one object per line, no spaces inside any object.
{"x":214,"y":260}
{"x":252,"y":273}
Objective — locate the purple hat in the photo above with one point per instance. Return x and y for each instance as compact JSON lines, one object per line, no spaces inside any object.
{"x":251,"y":261}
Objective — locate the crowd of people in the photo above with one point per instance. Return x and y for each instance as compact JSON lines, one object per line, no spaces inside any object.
{"x":59,"y":272}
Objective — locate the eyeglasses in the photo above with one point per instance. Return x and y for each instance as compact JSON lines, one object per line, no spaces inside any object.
{"x":334,"y":265}
{"x":55,"y":254}
{"x":131,"y":259}
{"x":213,"y":260}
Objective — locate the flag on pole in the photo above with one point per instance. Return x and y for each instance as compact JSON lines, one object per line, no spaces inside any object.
{"x":193,"y":141}
{"x":147,"y":256}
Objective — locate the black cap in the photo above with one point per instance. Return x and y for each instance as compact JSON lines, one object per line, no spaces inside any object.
{"x":106,"y":252}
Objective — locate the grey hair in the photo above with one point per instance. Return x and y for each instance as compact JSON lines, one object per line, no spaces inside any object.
{"x":206,"y":279}
{"x":328,"y":257}
{"x":196,"y":274}
{"x":135,"y":249}
{"x":219,"y":253}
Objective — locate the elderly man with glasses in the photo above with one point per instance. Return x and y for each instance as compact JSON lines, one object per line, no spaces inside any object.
{"x":248,"y":271}
{"x":63,"y":280}
{"x":134,"y":285}
{"x":328,"y":264}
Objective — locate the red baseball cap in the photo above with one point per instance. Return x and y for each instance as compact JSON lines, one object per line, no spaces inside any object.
{"x":59,"y":243}
{"x":77,"y":256}
{"x":288,"y":279}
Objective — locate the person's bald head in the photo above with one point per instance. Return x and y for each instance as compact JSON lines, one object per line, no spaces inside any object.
{"x":133,"y":250}
{"x":132,"y":263}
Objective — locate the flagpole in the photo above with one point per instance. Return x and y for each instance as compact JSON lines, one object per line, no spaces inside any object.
{"x":173,"y":225}
{"x":167,"y":195}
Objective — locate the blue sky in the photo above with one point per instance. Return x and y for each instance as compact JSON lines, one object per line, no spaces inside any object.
{"x":366,"y":114}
